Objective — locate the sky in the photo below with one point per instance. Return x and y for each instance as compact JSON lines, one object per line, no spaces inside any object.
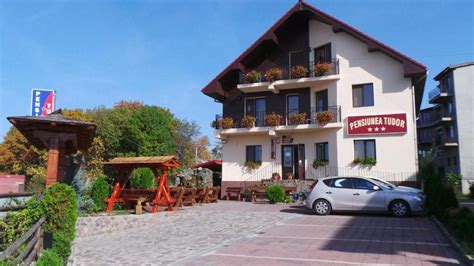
{"x":164,"y":52}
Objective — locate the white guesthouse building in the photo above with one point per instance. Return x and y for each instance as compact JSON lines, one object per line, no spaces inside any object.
{"x":314,"y":90}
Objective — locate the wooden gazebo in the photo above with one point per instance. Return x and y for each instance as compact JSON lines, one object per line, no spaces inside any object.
{"x":58,"y":135}
{"x":124,"y":166}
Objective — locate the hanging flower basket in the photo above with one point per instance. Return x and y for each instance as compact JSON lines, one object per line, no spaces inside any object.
{"x":253,"y":76}
{"x":324,"y":117}
{"x":272,"y":120}
{"x":227,"y":122}
{"x":248,"y":121}
{"x":297,"y":119}
{"x":274,"y":74}
{"x":321,"y":68}
{"x":299,"y":72}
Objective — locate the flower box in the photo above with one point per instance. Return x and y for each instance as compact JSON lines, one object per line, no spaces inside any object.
{"x":272,"y":120}
{"x":274,"y":74}
{"x":324,"y":117}
{"x":253,"y":76}
{"x":321,"y":68}
{"x":299,"y":72}
{"x":297,"y":119}
{"x":248,"y":121}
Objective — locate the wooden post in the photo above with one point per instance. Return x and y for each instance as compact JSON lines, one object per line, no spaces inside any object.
{"x":53,"y":161}
{"x":117,"y":190}
{"x":162,"y":193}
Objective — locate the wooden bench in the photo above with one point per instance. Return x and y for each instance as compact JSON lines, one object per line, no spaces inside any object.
{"x":201,"y":194}
{"x":230,"y":191}
{"x":213,"y":195}
{"x":189,"y":195}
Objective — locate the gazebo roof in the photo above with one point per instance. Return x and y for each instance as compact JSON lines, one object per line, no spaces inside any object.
{"x":34,"y":129}
{"x":153,"y":161}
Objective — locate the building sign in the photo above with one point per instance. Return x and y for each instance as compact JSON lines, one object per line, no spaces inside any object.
{"x":377,"y":124}
{"x":42,"y":102}
{"x":273,"y":151}
{"x":286,"y":139}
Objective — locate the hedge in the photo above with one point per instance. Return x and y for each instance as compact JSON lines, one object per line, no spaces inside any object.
{"x":99,"y":191}
{"x":275,"y":193}
{"x":49,"y":258}
{"x":142,"y":178}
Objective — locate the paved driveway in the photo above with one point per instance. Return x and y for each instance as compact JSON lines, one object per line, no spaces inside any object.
{"x":233,"y":233}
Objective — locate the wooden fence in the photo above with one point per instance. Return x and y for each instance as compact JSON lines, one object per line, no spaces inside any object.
{"x":26,"y":249}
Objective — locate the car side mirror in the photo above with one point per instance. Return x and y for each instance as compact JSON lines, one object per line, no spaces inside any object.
{"x":375,"y":188}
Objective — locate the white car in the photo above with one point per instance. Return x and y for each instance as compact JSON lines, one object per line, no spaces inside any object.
{"x":341,"y":193}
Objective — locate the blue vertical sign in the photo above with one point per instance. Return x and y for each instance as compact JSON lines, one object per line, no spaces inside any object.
{"x":42,"y":102}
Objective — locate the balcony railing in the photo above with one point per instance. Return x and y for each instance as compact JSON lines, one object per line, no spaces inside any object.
{"x":437,"y":92}
{"x":435,"y":117}
{"x":444,"y":139}
{"x":317,"y":116}
{"x":287,"y":72}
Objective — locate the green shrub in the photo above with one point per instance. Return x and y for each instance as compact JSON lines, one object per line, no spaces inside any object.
{"x":99,"y":191}
{"x":59,"y":207}
{"x":62,"y":244}
{"x":142,"y":178}
{"x":49,"y":258}
{"x":439,"y":197}
{"x":275,"y":193}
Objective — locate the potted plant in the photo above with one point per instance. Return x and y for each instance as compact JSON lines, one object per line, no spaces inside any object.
{"x":227,"y":122}
{"x":321,"y":68}
{"x":299,"y":71}
{"x":272,"y":119}
{"x":273,"y":74}
{"x":253,"y":76}
{"x":357,"y":160}
{"x":369,"y":161}
{"x":215,"y":124}
{"x":318,"y":163}
{"x":289,"y":175}
{"x":276,"y":176}
{"x":324,"y":117}
{"x":297,"y":119}
{"x":252,"y":165}
{"x":248,"y":121}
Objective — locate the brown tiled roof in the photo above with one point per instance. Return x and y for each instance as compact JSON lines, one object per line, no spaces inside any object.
{"x":141,"y":160}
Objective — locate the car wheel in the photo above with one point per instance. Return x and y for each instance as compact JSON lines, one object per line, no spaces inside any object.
{"x":399,"y":208}
{"x":322,"y":207}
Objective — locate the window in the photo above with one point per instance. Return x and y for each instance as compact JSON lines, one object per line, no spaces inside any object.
{"x":363,"y":95}
{"x":322,"y":151}
{"x":455,"y":161}
{"x":256,"y":108}
{"x":292,"y":104}
{"x":451,"y":132}
{"x":254,"y":154}
{"x":339,"y":182}
{"x":449,"y":161}
{"x":323,"y":53}
{"x":364,"y":149}
{"x":362,"y":184}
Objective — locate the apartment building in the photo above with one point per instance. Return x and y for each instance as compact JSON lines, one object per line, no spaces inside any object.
{"x":446,"y":128}
{"x":314,"y":96}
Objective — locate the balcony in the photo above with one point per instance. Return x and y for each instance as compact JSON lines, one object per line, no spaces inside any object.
{"x":288,"y":77}
{"x":446,"y":141}
{"x":439,"y":95}
{"x":273,"y":123}
{"x":438,"y":116}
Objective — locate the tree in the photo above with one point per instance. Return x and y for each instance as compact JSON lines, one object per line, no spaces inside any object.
{"x":217,"y":151}
{"x":202,"y":152}
{"x":186,"y":133}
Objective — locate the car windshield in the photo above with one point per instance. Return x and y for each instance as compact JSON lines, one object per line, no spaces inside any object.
{"x":383,"y":184}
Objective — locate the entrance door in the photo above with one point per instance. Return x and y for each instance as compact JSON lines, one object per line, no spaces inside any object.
{"x":293,"y":159}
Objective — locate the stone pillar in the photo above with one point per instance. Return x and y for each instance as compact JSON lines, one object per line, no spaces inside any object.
{"x":53,"y":161}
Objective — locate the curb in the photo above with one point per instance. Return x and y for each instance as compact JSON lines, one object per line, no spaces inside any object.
{"x":464,"y":257}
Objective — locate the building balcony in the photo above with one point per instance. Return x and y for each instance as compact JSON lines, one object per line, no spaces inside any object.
{"x":273,"y":123}
{"x":439,"y":116}
{"x":446,"y":141}
{"x":288,"y":77}
{"x":439,"y":95}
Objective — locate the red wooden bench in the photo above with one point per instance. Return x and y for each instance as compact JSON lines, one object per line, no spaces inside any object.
{"x":189,"y":195}
{"x":233,"y":191}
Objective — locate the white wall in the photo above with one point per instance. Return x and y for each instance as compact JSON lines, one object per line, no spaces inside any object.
{"x":463,"y":88}
{"x":392,"y":94}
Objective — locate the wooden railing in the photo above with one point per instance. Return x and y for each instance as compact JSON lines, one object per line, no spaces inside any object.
{"x":32,"y":246}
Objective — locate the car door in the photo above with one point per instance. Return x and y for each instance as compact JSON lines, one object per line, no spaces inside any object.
{"x":339,"y":193}
{"x":365,"y":197}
